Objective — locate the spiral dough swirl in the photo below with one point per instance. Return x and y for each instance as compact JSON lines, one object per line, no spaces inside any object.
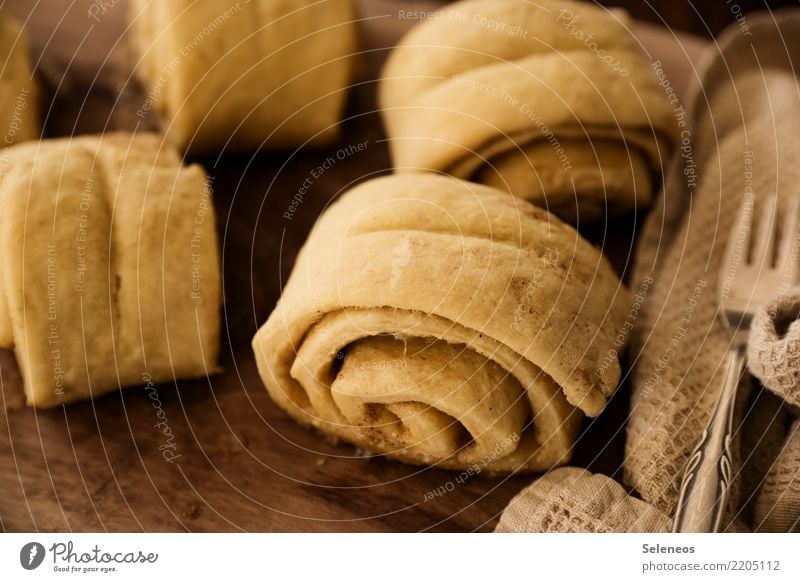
{"x":442,"y":322}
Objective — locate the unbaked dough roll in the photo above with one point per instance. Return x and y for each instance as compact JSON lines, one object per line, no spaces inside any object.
{"x":552,"y":101}
{"x":234,"y":75}
{"x":443,"y":322}
{"x":19,"y":94}
{"x":109,"y":269}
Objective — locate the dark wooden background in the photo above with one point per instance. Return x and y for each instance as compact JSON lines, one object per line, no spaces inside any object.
{"x":701,"y":17}
{"x":243,"y":465}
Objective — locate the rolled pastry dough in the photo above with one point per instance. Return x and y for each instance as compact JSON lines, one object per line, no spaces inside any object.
{"x":552,"y":101}
{"x":109,"y":269}
{"x":439,"y":321}
{"x":19,"y":95}
{"x":238,"y":75}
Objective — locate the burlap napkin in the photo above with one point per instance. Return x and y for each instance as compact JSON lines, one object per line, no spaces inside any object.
{"x":774,"y":348}
{"x":573,"y":500}
{"x":741,"y":128}
{"x":777,"y":507}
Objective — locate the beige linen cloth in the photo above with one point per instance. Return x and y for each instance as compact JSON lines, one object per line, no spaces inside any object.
{"x":743,"y":125}
{"x":443,"y":322}
{"x":550,"y":100}
{"x":572,"y":500}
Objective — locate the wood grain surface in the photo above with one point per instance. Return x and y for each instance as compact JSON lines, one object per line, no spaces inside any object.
{"x":242,"y":465}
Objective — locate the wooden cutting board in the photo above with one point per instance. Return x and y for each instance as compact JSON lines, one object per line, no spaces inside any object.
{"x":241,"y":464}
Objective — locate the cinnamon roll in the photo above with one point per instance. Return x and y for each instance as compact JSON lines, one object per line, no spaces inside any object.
{"x":442,"y":322}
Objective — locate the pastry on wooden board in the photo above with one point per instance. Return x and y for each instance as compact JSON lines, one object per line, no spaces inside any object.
{"x":109,"y":267}
{"x":443,"y":322}
{"x":553,"y":101}
{"x":229,"y":75}
{"x":19,"y":94}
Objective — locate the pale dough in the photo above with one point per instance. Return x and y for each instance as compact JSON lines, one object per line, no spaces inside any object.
{"x":553,"y":101}
{"x":19,"y":93}
{"x":109,"y":268}
{"x":231,"y":75}
{"x":443,"y":322}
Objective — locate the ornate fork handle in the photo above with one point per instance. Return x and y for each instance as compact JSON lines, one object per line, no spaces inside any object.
{"x":706,"y":482}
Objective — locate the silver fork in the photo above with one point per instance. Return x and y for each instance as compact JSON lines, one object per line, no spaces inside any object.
{"x":751,"y":275}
